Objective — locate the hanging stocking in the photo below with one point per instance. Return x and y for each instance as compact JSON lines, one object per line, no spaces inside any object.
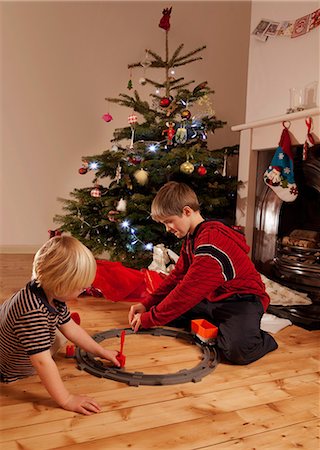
{"x":279,"y":176}
{"x":309,"y":142}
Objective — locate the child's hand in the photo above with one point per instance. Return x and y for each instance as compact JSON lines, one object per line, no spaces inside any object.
{"x":81,"y":404}
{"x":138,"y":308}
{"x":136,"y":322}
{"x":111,"y":355}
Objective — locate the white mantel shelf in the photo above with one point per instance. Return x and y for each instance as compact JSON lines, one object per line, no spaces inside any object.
{"x":265,"y":135}
{"x":278,"y":119}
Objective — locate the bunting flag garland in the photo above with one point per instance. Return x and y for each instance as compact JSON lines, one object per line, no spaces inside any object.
{"x":287,"y":28}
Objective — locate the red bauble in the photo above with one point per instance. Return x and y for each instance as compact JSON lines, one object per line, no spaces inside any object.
{"x":83,"y":170}
{"x":134,"y":159}
{"x":202,"y":170}
{"x":165,"y":102}
{"x":107,"y":117}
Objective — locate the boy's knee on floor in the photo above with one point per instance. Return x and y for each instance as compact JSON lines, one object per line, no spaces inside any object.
{"x":236,"y":356}
{"x":241,"y":352}
{"x":233,"y":350}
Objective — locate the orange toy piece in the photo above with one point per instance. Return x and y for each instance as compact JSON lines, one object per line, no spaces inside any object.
{"x":204,"y":330}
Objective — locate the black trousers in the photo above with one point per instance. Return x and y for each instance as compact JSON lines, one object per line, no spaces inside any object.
{"x":240,"y":339}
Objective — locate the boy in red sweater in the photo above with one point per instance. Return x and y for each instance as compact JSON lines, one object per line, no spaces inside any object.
{"x":214,"y":279}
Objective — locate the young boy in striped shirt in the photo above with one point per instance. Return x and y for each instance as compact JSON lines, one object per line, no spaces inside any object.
{"x":29,"y":320}
{"x":214,"y":279}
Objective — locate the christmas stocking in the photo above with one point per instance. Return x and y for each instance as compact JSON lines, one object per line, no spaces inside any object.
{"x":279,"y":176}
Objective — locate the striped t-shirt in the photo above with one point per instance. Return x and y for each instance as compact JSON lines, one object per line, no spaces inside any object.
{"x":28,"y":325}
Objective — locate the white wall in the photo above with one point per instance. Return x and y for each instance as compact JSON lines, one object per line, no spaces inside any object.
{"x":280,"y":63}
{"x":61,"y":59}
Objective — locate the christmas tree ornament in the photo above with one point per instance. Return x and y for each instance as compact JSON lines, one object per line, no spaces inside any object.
{"x":83,"y":170}
{"x":170,"y":132}
{"x":185,"y":114}
{"x":118,"y":173}
{"x":146,"y":62}
{"x":132,"y":119}
{"x":181,"y":135}
{"x":202,"y":170}
{"x":128,"y":182}
{"x":165,"y":19}
{"x":122,"y":205}
{"x":279,"y":176}
{"x":165,"y":102}
{"x":187,"y":167}
{"x":85,"y":167}
{"x":225,"y":159}
{"x":206,"y":105}
{"x":142,"y":81}
{"x":112,"y":216}
{"x":134,"y":160}
{"x":130,"y":85}
{"x":95,"y":192}
{"x":171,"y":108}
{"x":200,"y":86}
{"x":107,"y":117}
{"x":141,"y":176}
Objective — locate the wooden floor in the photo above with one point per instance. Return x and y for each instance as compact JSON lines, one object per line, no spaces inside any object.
{"x":270,"y":404}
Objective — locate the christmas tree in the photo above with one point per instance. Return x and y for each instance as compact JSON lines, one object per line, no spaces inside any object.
{"x":169,"y":143}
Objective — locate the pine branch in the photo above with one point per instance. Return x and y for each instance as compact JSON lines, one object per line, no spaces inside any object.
{"x":125,"y":101}
{"x":183,"y":85}
{"x":154,"y":83}
{"x":188,"y":61}
{"x":174,"y":56}
{"x":177,"y":80}
{"x":154,"y":64}
{"x":158,"y":61}
{"x":156,"y":56}
{"x":193,"y":52}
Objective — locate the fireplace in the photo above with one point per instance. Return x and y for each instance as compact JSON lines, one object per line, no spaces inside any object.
{"x":273,"y":228}
{"x":286,"y":239}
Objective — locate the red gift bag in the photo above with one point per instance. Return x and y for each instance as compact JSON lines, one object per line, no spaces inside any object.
{"x":119,"y":283}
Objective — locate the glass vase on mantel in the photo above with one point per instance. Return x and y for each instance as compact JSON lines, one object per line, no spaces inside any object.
{"x":296,"y":100}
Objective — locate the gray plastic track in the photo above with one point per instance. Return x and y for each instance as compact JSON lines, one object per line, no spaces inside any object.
{"x":86,"y":361}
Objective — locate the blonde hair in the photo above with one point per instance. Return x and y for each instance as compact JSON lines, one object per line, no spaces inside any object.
{"x":171,"y":199}
{"x":63,"y":265}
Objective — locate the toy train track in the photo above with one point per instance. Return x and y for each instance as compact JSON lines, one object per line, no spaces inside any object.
{"x":208,"y":363}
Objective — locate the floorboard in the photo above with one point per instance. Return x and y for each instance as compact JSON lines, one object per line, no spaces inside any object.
{"x":270,"y":404}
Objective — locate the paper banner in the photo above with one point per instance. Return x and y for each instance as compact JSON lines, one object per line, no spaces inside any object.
{"x":287,"y":28}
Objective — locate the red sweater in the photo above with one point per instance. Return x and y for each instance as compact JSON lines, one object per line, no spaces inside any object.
{"x":213,"y":265}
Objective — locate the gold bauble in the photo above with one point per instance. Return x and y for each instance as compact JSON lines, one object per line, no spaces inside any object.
{"x":187,"y":167}
{"x":141,"y":176}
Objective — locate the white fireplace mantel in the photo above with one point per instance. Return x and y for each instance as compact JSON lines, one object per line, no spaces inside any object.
{"x":264,"y":135}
